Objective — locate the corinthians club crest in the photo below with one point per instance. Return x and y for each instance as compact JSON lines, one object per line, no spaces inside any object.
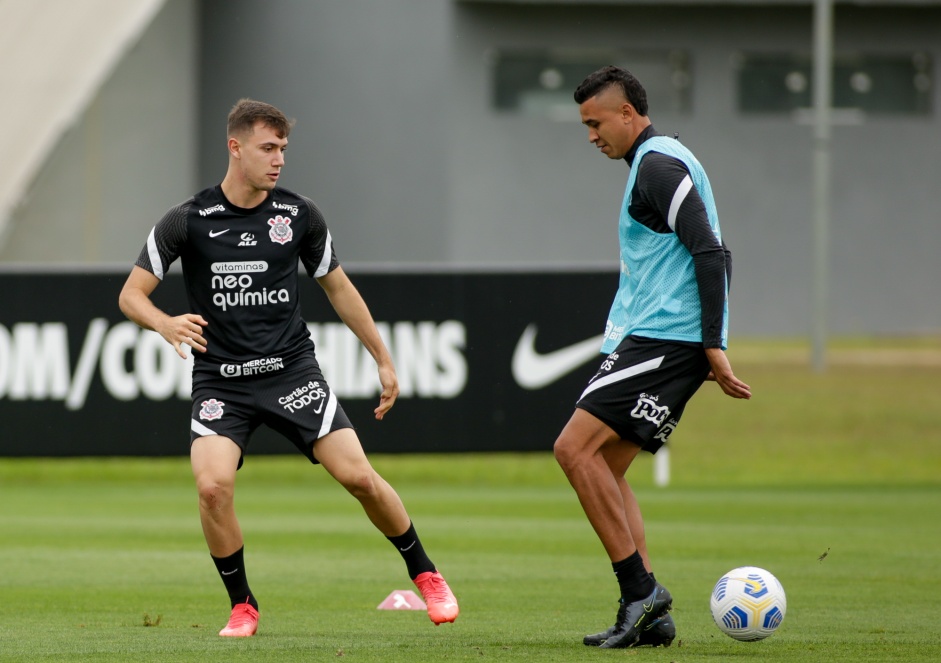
{"x":280,"y":231}
{"x":211,"y":409}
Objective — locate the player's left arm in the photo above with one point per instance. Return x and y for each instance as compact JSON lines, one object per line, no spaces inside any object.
{"x":669,"y":189}
{"x":352,"y":309}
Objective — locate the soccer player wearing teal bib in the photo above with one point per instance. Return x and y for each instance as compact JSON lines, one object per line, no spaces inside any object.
{"x":666,"y":334}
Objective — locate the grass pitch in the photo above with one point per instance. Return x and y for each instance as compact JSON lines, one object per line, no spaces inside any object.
{"x":104,"y":560}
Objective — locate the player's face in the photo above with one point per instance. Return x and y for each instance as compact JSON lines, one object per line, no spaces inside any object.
{"x":608,"y":117}
{"x":261,"y":156}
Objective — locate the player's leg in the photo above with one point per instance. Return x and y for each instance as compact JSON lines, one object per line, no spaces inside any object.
{"x":583,"y":450}
{"x":579,"y":452}
{"x":640,"y":391}
{"x":662,"y":631}
{"x":214,"y":460}
{"x":618,"y":458}
{"x":342,"y":455}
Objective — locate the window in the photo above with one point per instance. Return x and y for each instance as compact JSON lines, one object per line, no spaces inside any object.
{"x":541,"y":83}
{"x":871,"y":83}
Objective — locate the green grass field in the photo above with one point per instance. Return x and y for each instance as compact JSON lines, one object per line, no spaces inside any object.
{"x":104,"y":560}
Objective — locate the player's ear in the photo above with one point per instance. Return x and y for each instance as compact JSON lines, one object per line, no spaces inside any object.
{"x":627,"y":112}
{"x":235,"y":148}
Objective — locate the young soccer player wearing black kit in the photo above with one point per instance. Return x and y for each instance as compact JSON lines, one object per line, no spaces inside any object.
{"x":239,"y":244}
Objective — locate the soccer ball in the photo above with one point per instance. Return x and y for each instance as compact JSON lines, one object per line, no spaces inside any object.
{"x":748,"y":603}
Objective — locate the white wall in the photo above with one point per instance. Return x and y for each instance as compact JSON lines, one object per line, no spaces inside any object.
{"x":124,"y":162}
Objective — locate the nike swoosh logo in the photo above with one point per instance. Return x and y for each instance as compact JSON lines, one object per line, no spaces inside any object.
{"x":221,"y":232}
{"x":532,"y":370}
{"x":408,"y":547}
{"x":228,"y":573}
{"x":647,"y":608}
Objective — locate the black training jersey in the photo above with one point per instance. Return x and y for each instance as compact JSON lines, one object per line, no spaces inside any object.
{"x":241,"y":272}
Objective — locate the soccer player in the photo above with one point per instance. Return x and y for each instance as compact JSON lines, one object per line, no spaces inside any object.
{"x":239,"y":244}
{"x":665,"y":335}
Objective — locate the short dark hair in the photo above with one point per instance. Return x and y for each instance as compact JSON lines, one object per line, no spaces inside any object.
{"x":609,"y":76}
{"x":246,"y":112}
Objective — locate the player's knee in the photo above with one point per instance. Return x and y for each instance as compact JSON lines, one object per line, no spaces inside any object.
{"x":565,"y":453}
{"x":213,"y":494}
{"x":361,"y":484}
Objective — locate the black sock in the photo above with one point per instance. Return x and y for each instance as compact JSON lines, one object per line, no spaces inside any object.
{"x":232,"y":571}
{"x":633,"y":579}
{"x":409,"y":546}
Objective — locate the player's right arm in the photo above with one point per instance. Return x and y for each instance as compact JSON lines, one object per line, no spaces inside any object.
{"x":136,"y":304}
{"x":164,"y":244}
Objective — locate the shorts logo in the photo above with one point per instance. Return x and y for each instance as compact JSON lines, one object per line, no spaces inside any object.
{"x":248,"y":239}
{"x":648,"y":409}
{"x":666,"y":431}
{"x":280,"y":231}
{"x":311,"y":393}
{"x":608,"y":363}
{"x":212,"y":409}
{"x":253,"y":367}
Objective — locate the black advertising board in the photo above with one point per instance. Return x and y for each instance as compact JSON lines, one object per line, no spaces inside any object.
{"x":486,"y":362}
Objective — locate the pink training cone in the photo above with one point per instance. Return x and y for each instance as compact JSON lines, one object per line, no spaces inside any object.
{"x":402,"y":599}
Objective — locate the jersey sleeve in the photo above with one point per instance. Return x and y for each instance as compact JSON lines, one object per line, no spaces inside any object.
{"x":317,"y":253}
{"x":165,"y":241}
{"x":668,"y":187}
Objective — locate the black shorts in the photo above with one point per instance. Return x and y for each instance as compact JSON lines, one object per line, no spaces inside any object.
{"x":296,"y":403}
{"x":642,"y":387}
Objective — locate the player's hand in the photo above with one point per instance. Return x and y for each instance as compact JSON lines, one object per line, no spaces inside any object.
{"x":186,"y":329}
{"x":722,"y":373}
{"x":390,"y":390}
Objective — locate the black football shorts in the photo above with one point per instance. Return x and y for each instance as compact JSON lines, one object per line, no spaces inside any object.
{"x":642,"y":387}
{"x":297,"y":403}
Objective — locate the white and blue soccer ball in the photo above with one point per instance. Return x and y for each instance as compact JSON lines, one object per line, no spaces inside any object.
{"x":748,"y":603}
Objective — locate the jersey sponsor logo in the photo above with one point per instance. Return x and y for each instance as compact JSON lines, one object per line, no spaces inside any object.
{"x":612,"y":331}
{"x":280,"y":231}
{"x":248,"y":239}
{"x":648,"y":409}
{"x":253,"y":367}
{"x":290,"y":208}
{"x":209,"y":210}
{"x":236,"y":292}
{"x":240,"y":267}
{"x":216,"y":233}
{"x":235,"y":282}
{"x":312,"y":394}
{"x":533,"y":370}
{"x":211,"y":409}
